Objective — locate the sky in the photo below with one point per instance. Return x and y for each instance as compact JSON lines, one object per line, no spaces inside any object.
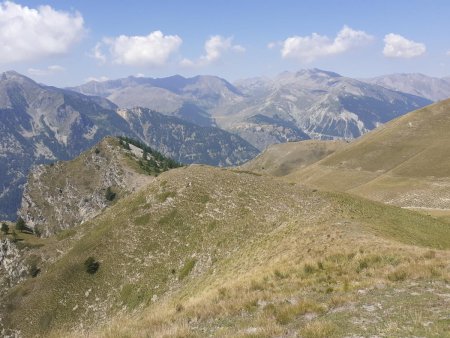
{"x":66,"y":43}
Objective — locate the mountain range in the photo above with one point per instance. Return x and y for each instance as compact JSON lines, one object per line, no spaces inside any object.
{"x":290,"y":107}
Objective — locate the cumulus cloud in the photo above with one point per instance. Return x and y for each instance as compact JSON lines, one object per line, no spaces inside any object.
{"x":46,"y":71}
{"x":153,"y":49}
{"x":215,"y":47}
{"x":396,"y":46}
{"x":29,"y":33}
{"x":309,"y":48}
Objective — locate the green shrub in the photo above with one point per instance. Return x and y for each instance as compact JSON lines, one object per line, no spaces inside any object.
{"x":5,"y":228}
{"x":363,"y":264}
{"x":34,"y":270}
{"x":110,"y":195}
{"x":308,"y":268}
{"x":20,"y":224}
{"x":91,"y":265}
{"x":37,"y":232}
{"x":187,"y":268}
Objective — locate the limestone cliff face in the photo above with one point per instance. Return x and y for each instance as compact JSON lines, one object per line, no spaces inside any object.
{"x":12,"y":271}
{"x":12,"y":267}
{"x":68,"y":193}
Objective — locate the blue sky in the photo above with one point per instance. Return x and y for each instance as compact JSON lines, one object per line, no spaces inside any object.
{"x":68,"y":42}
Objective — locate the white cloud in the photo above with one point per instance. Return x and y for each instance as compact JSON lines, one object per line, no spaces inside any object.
{"x":238,"y":49}
{"x":97,"y":79}
{"x":46,"y":71}
{"x":97,"y":53}
{"x":396,"y":46}
{"x":150,"y":50}
{"x":272,"y":45}
{"x":309,"y":48}
{"x":215,"y":47}
{"x":29,"y":34}
{"x":448,"y":53}
{"x":187,"y":63}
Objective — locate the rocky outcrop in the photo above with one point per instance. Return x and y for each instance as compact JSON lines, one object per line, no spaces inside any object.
{"x":13,"y":270}
{"x":12,"y":267}
{"x":65,"y":194}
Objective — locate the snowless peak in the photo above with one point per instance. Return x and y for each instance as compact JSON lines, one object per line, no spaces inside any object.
{"x":315,"y":72}
{"x":11,"y":74}
{"x":312,"y":74}
{"x":15,"y":76}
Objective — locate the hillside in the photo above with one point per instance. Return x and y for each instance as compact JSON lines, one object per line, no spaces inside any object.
{"x":282,"y":159}
{"x":62,"y":195}
{"x":206,"y":251}
{"x":405,"y":163}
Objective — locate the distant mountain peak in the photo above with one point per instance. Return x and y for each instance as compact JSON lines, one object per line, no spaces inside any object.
{"x":13,"y":75}
{"x":317,"y":72}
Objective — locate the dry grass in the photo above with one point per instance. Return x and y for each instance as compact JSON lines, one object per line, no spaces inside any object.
{"x":318,"y":329}
{"x":268,"y":266}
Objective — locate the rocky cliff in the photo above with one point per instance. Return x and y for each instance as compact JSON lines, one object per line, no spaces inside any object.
{"x":64,"y":194}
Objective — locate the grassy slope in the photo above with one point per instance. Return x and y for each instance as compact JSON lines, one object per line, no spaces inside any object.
{"x":205,"y":251}
{"x":282,"y":159}
{"x":406,"y":162}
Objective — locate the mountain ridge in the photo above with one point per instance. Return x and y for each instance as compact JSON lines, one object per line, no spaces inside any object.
{"x":41,"y":124}
{"x":433,"y":88}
